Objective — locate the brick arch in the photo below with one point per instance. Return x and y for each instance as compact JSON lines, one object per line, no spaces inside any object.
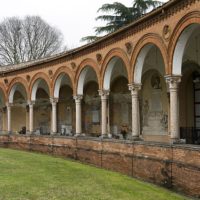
{"x":66,"y":71}
{"x":115,"y":53}
{"x":184,"y":22}
{"x":40,"y":75}
{"x":87,"y":62}
{"x":3,"y":89}
{"x":148,"y":39}
{"x":20,"y":81}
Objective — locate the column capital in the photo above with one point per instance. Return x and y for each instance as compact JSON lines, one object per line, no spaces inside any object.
{"x":9,"y":104}
{"x":78,"y":97}
{"x":104,"y":93}
{"x":173,"y":81}
{"x":134,"y":88}
{"x":53,"y":100}
{"x":31,"y":103}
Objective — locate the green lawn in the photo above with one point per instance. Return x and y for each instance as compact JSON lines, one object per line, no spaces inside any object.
{"x":25,"y":176}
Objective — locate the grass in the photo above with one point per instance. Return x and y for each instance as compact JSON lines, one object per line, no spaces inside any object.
{"x":32,"y":176}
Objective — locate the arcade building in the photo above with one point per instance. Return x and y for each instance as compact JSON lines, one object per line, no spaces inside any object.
{"x":141,"y":82}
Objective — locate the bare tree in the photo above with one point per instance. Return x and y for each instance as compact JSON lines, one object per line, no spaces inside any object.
{"x":27,"y":39}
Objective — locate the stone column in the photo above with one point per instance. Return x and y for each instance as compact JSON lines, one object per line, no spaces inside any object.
{"x":104,"y":99}
{"x":4,"y":119}
{"x":134,"y":88}
{"x":27,"y":118}
{"x":108,"y":119}
{"x":173,"y":82}
{"x":78,"y":99}
{"x":9,"y":129}
{"x":54,"y":102}
{"x":31,"y":103}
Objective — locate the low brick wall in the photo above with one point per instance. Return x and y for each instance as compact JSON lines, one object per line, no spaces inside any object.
{"x":172,"y":166}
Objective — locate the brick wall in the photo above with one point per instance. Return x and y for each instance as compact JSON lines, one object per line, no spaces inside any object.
{"x":172,"y":166}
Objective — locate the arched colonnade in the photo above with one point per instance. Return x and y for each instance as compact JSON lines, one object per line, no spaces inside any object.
{"x":125,"y":97}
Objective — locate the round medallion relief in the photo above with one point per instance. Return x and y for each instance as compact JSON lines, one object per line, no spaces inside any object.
{"x":166,"y":32}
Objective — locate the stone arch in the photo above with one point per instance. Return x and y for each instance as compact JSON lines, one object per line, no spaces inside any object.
{"x":141,"y":50}
{"x":182,"y":32}
{"x":35,"y":83}
{"x":108,"y":65}
{"x":83,"y":69}
{"x":57,"y":79}
{"x":13,"y":87}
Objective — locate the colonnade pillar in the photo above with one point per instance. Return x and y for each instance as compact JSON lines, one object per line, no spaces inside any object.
{"x":27,"y":119}
{"x":173,"y":82}
{"x":78,"y":99}
{"x":104,"y":108}
{"x":134,"y":88}
{"x":9,"y":129}
{"x":31,"y":104}
{"x":54,"y":102}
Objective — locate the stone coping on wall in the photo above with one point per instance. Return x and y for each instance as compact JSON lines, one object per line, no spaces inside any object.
{"x":112,"y":140}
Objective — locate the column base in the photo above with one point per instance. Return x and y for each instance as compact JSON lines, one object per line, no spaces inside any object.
{"x":136,"y":138}
{"x":106,"y":136}
{"x":79,"y":135}
{"x":53,"y":133}
{"x":28,"y":132}
{"x":176,"y":141}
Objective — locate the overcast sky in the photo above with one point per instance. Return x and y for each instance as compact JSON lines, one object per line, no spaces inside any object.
{"x":74,"y":18}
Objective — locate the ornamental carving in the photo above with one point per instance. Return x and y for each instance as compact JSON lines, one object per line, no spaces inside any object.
{"x":50,"y":72}
{"x":129,"y":47}
{"x":78,"y":97}
{"x":134,"y":86}
{"x":104,"y":93}
{"x":54,"y":100}
{"x":99,"y":58}
{"x":6,"y":81}
{"x":28,"y":78}
{"x":73,"y":65}
{"x":173,"y":81}
{"x":166,"y":32}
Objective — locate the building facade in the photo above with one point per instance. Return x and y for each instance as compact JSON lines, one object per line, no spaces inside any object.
{"x":141,"y":82}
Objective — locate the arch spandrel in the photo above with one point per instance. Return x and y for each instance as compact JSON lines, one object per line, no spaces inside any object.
{"x":4,"y":92}
{"x":110,"y":59}
{"x":35,"y":80}
{"x":174,"y":45}
{"x":139,"y":54}
{"x":82,"y":72}
{"x":60,"y":73}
